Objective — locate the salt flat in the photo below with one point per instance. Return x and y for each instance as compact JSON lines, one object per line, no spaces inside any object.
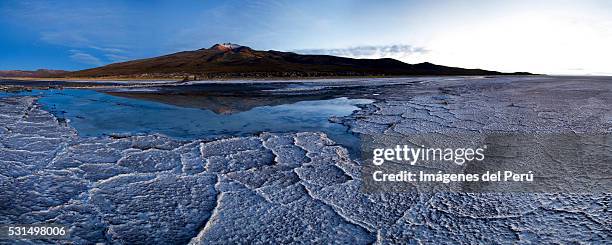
{"x":302,"y":186}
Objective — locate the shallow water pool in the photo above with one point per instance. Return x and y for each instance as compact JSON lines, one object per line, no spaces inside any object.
{"x":94,"y":113}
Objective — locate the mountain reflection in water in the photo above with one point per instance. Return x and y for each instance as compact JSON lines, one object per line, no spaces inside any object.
{"x":220,"y":104}
{"x":190,"y":116}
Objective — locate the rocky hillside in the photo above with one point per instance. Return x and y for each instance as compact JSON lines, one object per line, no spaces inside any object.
{"x":231,"y":61}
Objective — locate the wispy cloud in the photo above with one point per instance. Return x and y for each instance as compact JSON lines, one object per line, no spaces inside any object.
{"x":72,"y":24}
{"x":112,"y":54}
{"x":85,"y":58}
{"x":116,"y":57}
{"x":108,"y":49}
{"x":97,"y":55}
{"x":397,"y":51}
{"x":64,"y":38}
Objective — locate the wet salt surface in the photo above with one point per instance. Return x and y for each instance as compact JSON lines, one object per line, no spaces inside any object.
{"x":288,"y":188}
{"x":94,"y":113}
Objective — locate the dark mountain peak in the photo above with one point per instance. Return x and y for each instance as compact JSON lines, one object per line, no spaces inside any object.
{"x":229,"y":60}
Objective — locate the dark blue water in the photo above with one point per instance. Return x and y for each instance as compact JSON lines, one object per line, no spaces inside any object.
{"x":94,"y":113}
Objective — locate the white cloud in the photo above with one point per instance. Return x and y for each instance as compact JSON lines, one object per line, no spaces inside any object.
{"x":116,"y":57}
{"x":85,"y":58}
{"x":108,"y":49}
{"x":398,"y":51}
{"x":65,"y":38}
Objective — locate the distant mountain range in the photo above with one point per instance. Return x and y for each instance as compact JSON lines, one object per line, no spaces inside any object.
{"x":236,"y":61}
{"x":40,"y":73}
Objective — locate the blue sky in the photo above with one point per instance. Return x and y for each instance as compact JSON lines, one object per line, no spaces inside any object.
{"x":555,"y":37}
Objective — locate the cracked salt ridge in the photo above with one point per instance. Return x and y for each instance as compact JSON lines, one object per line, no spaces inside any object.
{"x":266,"y":189}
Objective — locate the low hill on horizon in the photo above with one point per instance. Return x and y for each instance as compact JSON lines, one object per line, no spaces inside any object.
{"x":40,"y":73}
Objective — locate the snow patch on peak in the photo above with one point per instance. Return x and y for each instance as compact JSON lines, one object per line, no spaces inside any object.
{"x":231,"y":45}
{"x":226,"y":46}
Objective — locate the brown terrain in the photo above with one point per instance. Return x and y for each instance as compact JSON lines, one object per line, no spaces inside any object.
{"x":40,"y":73}
{"x":235,"y":61}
